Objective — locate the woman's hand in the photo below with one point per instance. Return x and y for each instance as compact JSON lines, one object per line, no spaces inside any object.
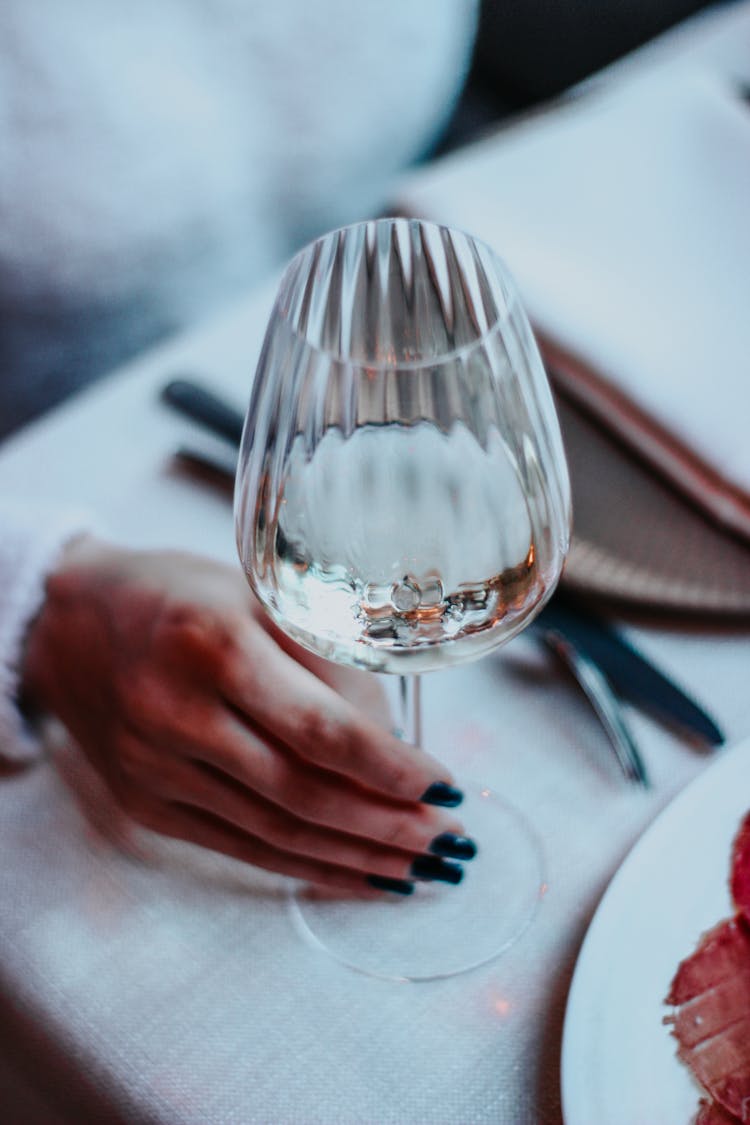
{"x":208,"y":725}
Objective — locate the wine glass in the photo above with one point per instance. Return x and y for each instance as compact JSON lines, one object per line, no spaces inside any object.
{"x":402,"y":504}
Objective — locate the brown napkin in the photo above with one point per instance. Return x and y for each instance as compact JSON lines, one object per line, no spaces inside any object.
{"x":637,"y":540}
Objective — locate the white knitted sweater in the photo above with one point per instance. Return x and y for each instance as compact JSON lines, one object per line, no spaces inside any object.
{"x":154,"y":157}
{"x":30,"y":546}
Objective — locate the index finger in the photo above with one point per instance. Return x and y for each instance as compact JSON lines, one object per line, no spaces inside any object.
{"x":273,"y":690}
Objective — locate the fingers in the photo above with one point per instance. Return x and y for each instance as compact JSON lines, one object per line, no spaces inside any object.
{"x":249,"y":826}
{"x":321,"y":797}
{"x":192,"y":783}
{"x":295,"y":707}
{"x":198,"y":827}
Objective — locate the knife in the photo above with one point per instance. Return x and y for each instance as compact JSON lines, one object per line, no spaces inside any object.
{"x":589,"y":639}
{"x":201,"y":405}
{"x":632,"y":676}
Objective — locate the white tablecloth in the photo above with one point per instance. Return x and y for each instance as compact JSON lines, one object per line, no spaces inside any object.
{"x":622,"y":214}
{"x":172,"y":987}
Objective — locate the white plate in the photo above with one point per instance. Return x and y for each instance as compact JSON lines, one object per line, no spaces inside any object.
{"x":618,"y":1061}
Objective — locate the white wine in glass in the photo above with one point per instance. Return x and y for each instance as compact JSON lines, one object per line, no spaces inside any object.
{"x":402,"y":504}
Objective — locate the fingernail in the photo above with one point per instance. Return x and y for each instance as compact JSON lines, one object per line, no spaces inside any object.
{"x":441,"y":793}
{"x":455,"y":847}
{"x":383,"y":883}
{"x":434,"y":868}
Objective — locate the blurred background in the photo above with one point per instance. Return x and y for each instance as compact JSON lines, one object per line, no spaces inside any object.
{"x":527,"y":53}
{"x":156,"y":161}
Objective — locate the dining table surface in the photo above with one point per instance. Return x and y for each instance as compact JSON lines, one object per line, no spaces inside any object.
{"x":149,"y":981}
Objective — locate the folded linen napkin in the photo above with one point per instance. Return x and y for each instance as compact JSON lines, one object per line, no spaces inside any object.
{"x":624,"y":215}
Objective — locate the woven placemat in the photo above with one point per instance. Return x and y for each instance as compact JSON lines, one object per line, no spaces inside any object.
{"x":639,"y":542}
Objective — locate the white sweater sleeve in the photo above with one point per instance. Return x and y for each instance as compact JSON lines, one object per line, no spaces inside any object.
{"x":31,"y":540}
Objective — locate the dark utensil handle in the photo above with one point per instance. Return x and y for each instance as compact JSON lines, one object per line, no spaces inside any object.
{"x":218,"y":470}
{"x":633,"y":677}
{"x":202,"y":405}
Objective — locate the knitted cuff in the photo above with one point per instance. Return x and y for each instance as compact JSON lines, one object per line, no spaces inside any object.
{"x":31,"y":543}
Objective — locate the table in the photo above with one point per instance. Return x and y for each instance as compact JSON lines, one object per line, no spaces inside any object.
{"x":171,"y":986}
{"x":162,"y":985}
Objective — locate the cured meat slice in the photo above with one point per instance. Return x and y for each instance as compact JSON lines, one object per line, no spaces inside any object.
{"x":709,"y":1113}
{"x":723,"y":953}
{"x":711,"y":996}
{"x":739,"y":881}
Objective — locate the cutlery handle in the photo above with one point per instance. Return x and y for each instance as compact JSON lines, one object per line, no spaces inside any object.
{"x":219,"y":470}
{"x":202,"y":405}
{"x":630,"y":674}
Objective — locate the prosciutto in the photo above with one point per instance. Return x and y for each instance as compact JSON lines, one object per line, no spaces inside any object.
{"x":710,"y":998}
{"x":709,"y":1113}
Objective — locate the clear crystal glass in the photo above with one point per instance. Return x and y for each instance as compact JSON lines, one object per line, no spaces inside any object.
{"x":402,"y":504}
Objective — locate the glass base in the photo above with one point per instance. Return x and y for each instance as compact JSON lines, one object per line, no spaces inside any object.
{"x":440,"y":930}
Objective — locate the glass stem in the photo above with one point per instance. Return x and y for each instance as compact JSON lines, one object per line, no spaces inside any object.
{"x":410,"y":700}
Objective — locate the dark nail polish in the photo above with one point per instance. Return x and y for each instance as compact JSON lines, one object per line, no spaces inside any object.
{"x":434,"y":868}
{"x":452,"y":846}
{"x":397,"y":886}
{"x":441,"y":793}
